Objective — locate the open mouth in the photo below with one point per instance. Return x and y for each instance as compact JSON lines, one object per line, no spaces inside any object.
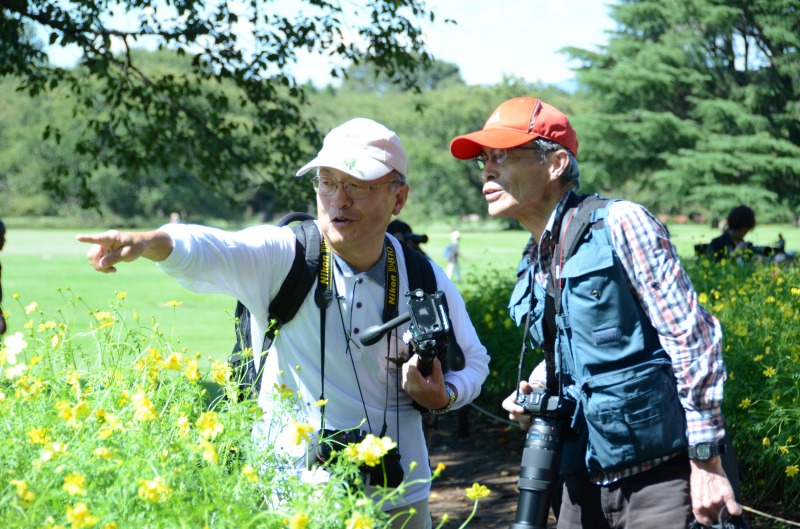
{"x":341,"y":221}
{"x":491,"y":193}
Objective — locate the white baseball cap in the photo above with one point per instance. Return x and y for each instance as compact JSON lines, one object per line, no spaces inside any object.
{"x":362,"y":148}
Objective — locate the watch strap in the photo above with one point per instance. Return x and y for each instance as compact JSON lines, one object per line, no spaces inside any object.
{"x":451,"y":393}
{"x":705,"y":451}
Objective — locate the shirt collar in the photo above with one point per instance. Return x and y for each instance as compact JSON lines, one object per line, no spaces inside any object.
{"x":377,"y":273}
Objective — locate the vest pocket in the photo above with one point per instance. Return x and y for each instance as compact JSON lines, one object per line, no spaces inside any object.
{"x":632,"y":415}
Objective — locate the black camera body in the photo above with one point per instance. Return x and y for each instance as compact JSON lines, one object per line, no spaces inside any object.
{"x":430,"y":333}
{"x":389,"y":473}
{"x":430,"y":328}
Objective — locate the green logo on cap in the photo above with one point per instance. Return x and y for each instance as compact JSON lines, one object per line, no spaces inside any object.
{"x":350,"y":162}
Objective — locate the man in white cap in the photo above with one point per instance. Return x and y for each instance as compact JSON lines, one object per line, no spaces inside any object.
{"x":360,"y":179}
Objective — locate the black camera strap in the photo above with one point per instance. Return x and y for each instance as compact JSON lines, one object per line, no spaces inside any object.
{"x":323,"y":296}
{"x":390,"y":310}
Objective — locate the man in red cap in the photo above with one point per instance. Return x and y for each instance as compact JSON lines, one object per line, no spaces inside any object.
{"x":631,"y":358}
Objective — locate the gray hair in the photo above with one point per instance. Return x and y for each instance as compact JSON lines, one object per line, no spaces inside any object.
{"x":399,"y":177}
{"x":572,"y":174}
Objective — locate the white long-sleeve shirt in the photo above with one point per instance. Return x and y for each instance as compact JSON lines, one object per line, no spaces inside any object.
{"x":251,"y":266}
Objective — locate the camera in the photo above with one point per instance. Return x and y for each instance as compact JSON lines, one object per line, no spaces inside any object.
{"x":430,"y":332}
{"x":415,"y":238}
{"x":541,"y":458}
{"x":388,"y":473}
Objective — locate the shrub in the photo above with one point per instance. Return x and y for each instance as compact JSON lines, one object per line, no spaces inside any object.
{"x":759,"y":309}
{"x":128,"y":432}
{"x":758,"y":306}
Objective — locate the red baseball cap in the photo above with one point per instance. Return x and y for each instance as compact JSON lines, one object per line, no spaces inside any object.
{"x":515,"y":122}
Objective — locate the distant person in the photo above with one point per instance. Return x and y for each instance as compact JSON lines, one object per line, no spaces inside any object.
{"x":403,"y":232}
{"x":174,"y":217}
{"x":453,"y":255}
{"x":740,"y":221}
{"x":781,"y":244}
{"x":3,"y":327}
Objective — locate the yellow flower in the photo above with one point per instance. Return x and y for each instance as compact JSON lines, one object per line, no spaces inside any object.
{"x":439,"y":468}
{"x":766,"y":442}
{"x":25,"y":495}
{"x":191,"y":372}
{"x":783,"y":449}
{"x":220,"y":372}
{"x":301,"y":431}
{"x":46,"y":326}
{"x":102,"y":452}
{"x":184,"y":424}
{"x":702,"y":298}
{"x":80,"y":516}
{"x":110,"y":525}
{"x":106,"y":319}
{"x":320,"y":403}
{"x":746,"y":402}
{"x":143,"y":409}
{"x":110,"y":422}
{"x":122,"y":295}
{"x":359,"y":521}
{"x":75,"y":485}
{"x":31,"y":307}
{"x":373,"y":448}
{"x":174,"y":362}
{"x":209,"y":452}
{"x":476,"y":491}
{"x":38,"y":436}
{"x":283,"y":392}
{"x":792,"y":470}
{"x":155,"y":490}
{"x":208,"y":424}
{"x":299,"y":521}
{"x":73,"y":414}
{"x":174,"y":303}
{"x":250,"y":473}
{"x":769,"y":372}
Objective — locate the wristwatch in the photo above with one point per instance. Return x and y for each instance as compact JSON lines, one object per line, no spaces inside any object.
{"x":450,"y":393}
{"x":705,"y":451}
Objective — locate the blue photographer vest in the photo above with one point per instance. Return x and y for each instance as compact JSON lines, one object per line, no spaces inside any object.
{"x":608,"y":357}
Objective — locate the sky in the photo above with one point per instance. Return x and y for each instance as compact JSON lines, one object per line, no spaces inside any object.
{"x":490,"y":40}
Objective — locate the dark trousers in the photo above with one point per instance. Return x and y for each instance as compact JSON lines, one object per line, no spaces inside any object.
{"x":656,"y":498}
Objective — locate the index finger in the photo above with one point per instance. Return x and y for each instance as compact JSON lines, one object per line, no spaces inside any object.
{"x":102,"y":239}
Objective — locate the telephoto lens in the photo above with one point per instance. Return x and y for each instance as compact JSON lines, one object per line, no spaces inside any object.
{"x":538,"y":476}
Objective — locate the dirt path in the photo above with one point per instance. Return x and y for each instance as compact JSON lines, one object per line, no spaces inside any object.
{"x":491,"y":456}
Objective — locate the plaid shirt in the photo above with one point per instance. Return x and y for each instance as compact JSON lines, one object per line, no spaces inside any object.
{"x":689,"y":333}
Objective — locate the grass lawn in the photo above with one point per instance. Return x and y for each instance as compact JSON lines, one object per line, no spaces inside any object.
{"x":40,"y":265}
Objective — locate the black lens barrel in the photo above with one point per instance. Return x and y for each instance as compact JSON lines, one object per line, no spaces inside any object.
{"x":538,"y":478}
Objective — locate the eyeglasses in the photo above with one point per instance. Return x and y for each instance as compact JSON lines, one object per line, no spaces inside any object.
{"x":327,"y":187}
{"x":498,"y":156}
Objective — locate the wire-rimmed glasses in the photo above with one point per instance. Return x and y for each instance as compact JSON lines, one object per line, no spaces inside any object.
{"x":327,"y":186}
{"x":498,"y":156}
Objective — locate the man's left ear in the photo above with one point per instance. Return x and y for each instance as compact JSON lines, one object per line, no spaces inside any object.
{"x":560,"y":161}
{"x":401,"y":195}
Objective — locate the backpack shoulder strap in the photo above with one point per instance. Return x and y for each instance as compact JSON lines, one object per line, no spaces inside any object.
{"x":301,"y":275}
{"x":589,"y":213}
{"x":284,"y":306}
{"x":419,"y":270}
